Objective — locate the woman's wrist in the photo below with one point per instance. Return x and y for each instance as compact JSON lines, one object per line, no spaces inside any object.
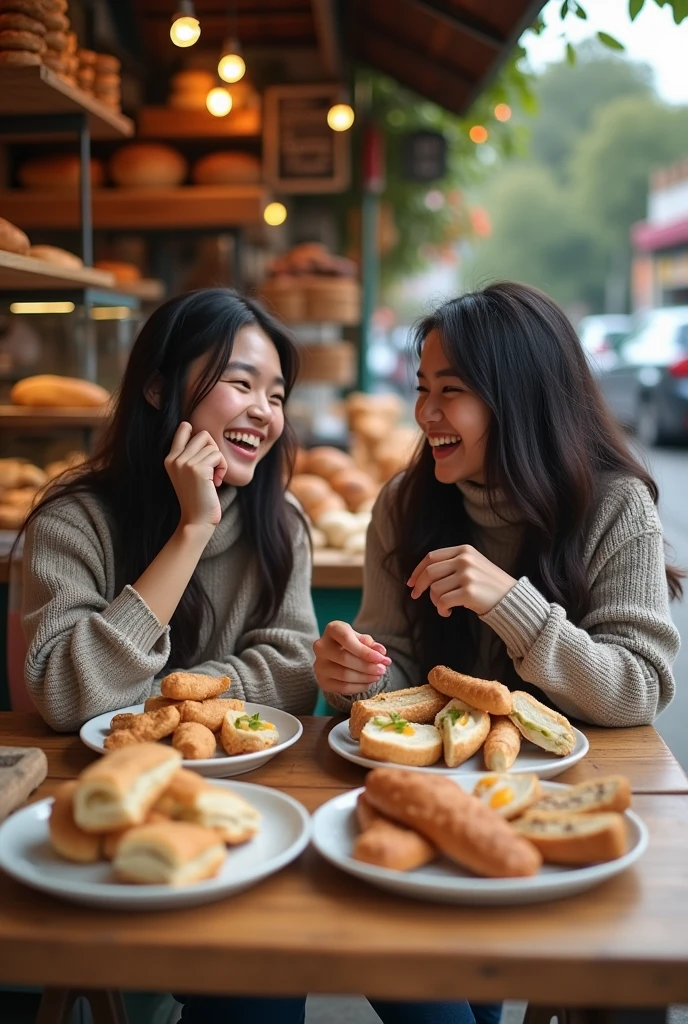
{"x":193,"y":536}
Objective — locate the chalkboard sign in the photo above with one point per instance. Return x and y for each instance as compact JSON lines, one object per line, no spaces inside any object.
{"x":424,"y":156}
{"x":301,"y":153}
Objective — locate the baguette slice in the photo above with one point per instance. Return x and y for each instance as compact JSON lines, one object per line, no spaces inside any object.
{"x":575,"y":838}
{"x":541,"y":725}
{"x":463,"y":730}
{"x":66,"y":837}
{"x":391,"y":738}
{"x":502,"y":745}
{"x":508,"y":795}
{"x":612,"y":793}
{"x":484,"y":694}
{"x":415,"y":704}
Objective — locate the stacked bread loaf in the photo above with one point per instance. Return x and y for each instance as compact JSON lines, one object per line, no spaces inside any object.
{"x":189,"y":89}
{"x":310,"y":284}
{"x":24,"y":26}
{"x":379,"y":444}
{"x":21,"y":482}
{"x":147,"y":165}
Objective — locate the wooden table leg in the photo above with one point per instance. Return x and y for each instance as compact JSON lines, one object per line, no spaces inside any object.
{"x":55,"y":1006}
{"x":107,"y":1006}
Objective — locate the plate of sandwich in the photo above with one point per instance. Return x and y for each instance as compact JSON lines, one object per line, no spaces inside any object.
{"x":459,"y":723}
{"x":217,"y":736}
{"x":137,"y":831}
{"x":500,"y":839}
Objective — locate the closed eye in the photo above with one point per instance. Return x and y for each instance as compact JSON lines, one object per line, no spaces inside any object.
{"x":278,"y":398}
{"x":452,"y":390}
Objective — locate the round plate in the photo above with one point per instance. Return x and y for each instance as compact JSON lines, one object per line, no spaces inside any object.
{"x":221,"y":766}
{"x":530,"y":759}
{"x":335,"y":828}
{"x":26,"y":855}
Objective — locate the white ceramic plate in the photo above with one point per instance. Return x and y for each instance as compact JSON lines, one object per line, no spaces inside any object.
{"x":334,"y":831}
{"x":26,"y":855}
{"x":530,"y":759}
{"x":93,"y":734}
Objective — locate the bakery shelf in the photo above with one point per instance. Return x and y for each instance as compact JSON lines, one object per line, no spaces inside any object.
{"x":153,"y":209}
{"x":168,"y":123}
{"x":148,"y":289}
{"x":337,"y":569}
{"x":38,"y":90}
{"x":23,"y":417}
{"x":21,"y":273}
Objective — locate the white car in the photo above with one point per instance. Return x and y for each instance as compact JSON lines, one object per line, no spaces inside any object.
{"x":601,"y":337}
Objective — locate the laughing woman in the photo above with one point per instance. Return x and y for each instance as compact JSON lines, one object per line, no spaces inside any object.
{"x":523,"y":542}
{"x":175,"y":546}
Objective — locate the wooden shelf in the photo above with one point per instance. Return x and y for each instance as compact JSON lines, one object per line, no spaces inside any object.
{"x":161,"y":209}
{"x":38,"y":90}
{"x":337,"y":569}
{"x":22,"y":273}
{"x":24,"y":417}
{"x":148,"y":289}
{"x":168,"y":123}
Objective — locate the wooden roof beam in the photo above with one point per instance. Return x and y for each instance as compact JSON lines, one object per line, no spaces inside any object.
{"x":461,"y":22}
{"x":328,"y":37}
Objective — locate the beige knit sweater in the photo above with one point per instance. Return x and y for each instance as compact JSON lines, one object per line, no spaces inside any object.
{"x":614,"y":669}
{"x":91,"y":650}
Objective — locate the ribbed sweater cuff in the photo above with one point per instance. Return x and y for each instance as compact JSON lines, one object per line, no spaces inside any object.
{"x":129,"y":614}
{"x":519,"y":618}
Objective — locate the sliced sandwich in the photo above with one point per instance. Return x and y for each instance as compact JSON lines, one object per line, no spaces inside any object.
{"x":416,"y":704}
{"x":389,"y":737}
{"x":168,"y":853}
{"x":575,"y":838}
{"x":612,"y":793}
{"x":67,"y":839}
{"x":463,"y":730}
{"x":541,"y":725}
{"x":508,"y":795}
{"x":247,"y":734}
{"x":189,"y":797}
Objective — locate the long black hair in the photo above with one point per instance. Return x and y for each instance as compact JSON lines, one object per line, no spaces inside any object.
{"x":550,"y":441}
{"x":126,"y":471}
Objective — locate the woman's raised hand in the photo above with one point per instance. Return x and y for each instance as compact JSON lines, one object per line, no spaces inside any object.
{"x":348,"y":662}
{"x":460,"y":577}
{"x":196,"y":467}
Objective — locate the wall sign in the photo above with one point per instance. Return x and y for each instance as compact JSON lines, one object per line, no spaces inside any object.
{"x":301,"y":153}
{"x":424,"y":156}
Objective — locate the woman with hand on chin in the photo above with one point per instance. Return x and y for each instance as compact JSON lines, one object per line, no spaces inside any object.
{"x":174,"y":546}
{"x":523,"y":542}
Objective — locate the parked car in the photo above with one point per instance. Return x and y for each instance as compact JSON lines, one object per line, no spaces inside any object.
{"x":647,"y":386}
{"x":601,"y":337}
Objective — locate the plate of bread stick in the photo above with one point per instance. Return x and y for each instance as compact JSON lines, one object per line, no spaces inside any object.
{"x":456,"y":722}
{"x":217,"y":736}
{"x":137,"y":831}
{"x":497,"y":839}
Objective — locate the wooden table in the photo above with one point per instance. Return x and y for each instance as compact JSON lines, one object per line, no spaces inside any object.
{"x":312,"y":928}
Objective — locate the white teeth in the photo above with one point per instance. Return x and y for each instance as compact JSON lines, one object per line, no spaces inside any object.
{"x":436,"y":442}
{"x":237,"y":435}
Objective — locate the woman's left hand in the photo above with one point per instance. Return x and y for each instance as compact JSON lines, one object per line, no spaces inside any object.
{"x":460,"y":577}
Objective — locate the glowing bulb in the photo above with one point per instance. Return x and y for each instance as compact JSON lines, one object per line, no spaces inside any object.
{"x":41,"y":307}
{"x":219,"y":102}
{"x":231,"y":68}
{"x":275,"y":214}
{"x":502,"y":111}
{"x":340,"y":117}
{"x":185,"y":31}
{"x":478,"y":134}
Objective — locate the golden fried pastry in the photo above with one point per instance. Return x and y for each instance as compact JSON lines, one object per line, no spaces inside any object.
{"x":120,"y":738}
{"x":194,"y":741}
{"x":211,"y":712}
{"x":124,"y":721}
{"x":148,"y":727}
{"x":193,"y":686}
{"x":155,"y":703}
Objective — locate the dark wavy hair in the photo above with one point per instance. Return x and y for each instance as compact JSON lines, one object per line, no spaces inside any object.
{"x":127,"y":474}
{"x":550,"y":440}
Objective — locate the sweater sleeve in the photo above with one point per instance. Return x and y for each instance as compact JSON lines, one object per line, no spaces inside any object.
{"x":382,"y":612}
{"x":86,"y":655}
{"x":273,"y":664}
{"x":615,"y":668}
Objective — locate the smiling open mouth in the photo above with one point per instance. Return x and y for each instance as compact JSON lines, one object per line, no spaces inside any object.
{"x":246,"y":442}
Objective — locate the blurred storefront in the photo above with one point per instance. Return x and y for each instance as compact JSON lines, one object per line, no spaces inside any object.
{"x":660,"y":243}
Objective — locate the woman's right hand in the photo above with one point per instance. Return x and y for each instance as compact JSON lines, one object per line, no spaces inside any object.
{"x":196,"y":467}
{"x":348,"y":662}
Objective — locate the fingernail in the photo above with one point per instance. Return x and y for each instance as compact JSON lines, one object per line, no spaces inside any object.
{"x":380,"y":669}
{"x":410,"y":581}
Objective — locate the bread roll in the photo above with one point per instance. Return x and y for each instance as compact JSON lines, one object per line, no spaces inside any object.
{"x":227,"y":169}
{"x":66,"y":837}
{"x":58,"y":172}
{"x":168,"y":853}
{"x":15,"y":473}
{"x":147,"y":165}
{"x":124,"y":273}
{"x":332,"y":502}
{"x":195,"y":742}
{"x":20,"y":58}
{"x":387,"y":844}
{"x":247,"y":734}
{"x":415,"y":704}
{"x":355,"y":486}
{"x":12,"y":239}
{"x":388,"y":737}
{"x":485,"y":694}
{"x":309,"y":490}
{"x":326,"y":462}
{"x":46,"y":390}
{"x":502,"y":745}
{"x":51,"y":254}
{"x":189,"y":797}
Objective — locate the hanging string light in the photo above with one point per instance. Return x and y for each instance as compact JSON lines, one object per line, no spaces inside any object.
{"x":340,"y":117}
{"x":185,"y":29}
{"x":219,"y":101}
{"x":231,"y":67}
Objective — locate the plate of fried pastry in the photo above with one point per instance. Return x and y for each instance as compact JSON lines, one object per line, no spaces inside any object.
{"x":137,"y":831}
{"x":456,"y":722}
{"x":217,"y":736}
{"x":495,"y":839}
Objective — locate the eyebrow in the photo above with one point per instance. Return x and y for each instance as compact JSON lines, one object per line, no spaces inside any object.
{"x":446,"y":372}
{"x":253,"y":371}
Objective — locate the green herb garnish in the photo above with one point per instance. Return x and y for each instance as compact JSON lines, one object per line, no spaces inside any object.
{"x":396,"y":722}
{"x":457,"y":713}
{"x":253,"y":722}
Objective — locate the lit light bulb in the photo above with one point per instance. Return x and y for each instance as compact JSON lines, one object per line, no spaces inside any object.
{"x":275,"y":214}
{"x":478,"y":134}
{"x":231,"y":68}
{"x":340,"y":117}
{"x":219,"y":101}
{"x":502,"y":111}
{"x":185,"y":31}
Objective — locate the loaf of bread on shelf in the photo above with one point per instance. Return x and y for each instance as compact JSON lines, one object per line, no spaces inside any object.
{"x":355,"y":486}
{"x":147,"y":164}
{"x":18,"y":473}
{"x":310,"y":490}
{"x":58,"y":172}
{"x":12,"y":239}
{"x":49,"y":391}
{"x":227,"y":169}
{"x":52,"y":254}
{"x":124,"y":273}
{"x":326,"y":461}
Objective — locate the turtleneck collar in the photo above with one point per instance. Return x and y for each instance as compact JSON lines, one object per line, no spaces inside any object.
{"x":492,"y":514}
{"x":229,"y":528}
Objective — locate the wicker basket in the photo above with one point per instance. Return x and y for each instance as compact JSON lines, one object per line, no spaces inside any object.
{"x":332,"y":299}
{"x":330,"y":364}
{"x":284,"y":296}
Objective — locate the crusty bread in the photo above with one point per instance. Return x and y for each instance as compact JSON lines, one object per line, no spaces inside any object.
{"x":387,"y":844}
{"x":508,"y":795}
{"x":575,"y":838}
{"x":189,"y":797}
{"x":12,"y":239}
{"x":48,"y":390}
{"x":121,"y":787}
{"x":52,"y":254}
{"x":193,"y":686}
{"x":541,"y":725}
{"x":211,"y":712}
{"x":416,"y":704}
{"x":168,"y":853}
{"x":483,"y":694}
{"x":66,"y":837}
{"x":387,"y":737}
{"x":454,"y":821}
{"x":463,"y":730}
{"x":502,"y":745}
{"x":246,"y":734}
{"x":612,"y":793}
{"x":147,"y":165}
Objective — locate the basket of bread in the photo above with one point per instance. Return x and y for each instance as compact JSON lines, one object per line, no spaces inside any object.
{"x":310,"y":284}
